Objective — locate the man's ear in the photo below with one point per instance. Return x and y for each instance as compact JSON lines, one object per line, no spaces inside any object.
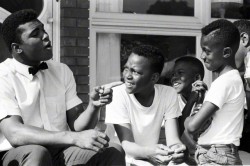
{"x":155,"y":77}
{"x":227,"y":52}
{"x":15,"y":48}
{"x":244,"y":38}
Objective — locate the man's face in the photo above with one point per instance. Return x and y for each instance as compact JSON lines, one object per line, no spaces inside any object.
{"x":212,"y":53}
{"x":34,"y":42}
{"x":183,"y":77}
{"x":137,"y":74}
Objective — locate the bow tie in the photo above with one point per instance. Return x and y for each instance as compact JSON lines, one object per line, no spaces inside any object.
{"x":33,"y":70}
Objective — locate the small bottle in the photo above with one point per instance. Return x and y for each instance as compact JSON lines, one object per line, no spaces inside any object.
{"x":198,"y":104}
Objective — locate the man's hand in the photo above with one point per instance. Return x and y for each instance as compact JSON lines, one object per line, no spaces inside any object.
{"x":161,"y":154}
{"x":102,"y":95}
{"x":178,"y":155}
{"x":91,"y":139}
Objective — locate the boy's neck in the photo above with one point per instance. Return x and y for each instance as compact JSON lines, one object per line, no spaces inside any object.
{"x":146,"y":98}
{"x":223,"y":70}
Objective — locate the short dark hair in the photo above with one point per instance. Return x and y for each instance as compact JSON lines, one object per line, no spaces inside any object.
{"x":153,"y":54}
{"x":195,"y":63}
{"x":225,"y":32}
{"x":11,"y":23}
{"x":243,"y":26}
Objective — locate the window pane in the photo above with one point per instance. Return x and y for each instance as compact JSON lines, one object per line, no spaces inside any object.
{"x":171,"y":46}
{"x":157,"y":7}
{"x":234,"y":9}
{"x":166,"y":7}
{"x":15,"y":5}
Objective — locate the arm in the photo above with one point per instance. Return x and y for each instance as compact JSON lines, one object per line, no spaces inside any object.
{"x":19,"y":134}
{"x":173,"y":139}
{"x":80,"y":119}
{"x":194,"y":123}
{"x":156,"y":154}
{"x":197,"y":96}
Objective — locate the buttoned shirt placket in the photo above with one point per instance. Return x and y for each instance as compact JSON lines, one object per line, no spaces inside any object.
{"x":43,"y":110}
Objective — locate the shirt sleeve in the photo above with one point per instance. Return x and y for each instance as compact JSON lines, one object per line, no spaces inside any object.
{"x":172,"y":109}
{"x":116,"y":111}
{"x":217,"y":94}
{"x":71,"y":97}
{"x":8,"y":102}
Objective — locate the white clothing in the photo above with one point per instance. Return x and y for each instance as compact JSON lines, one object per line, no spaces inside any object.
{"x":145,"y":121}
{"x":23,"y":94}
{"x":247,"y":65}
{"x":226,"y":92}
{"x":181,"y":102}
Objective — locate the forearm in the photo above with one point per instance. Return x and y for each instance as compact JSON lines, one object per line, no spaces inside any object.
{"x":88,"y":118}
{"x":25,"y":135}
{"x":136,"y":151}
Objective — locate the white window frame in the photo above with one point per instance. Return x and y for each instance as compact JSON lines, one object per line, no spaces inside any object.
{"x":123,"y":23}
{"x":55,"y":21}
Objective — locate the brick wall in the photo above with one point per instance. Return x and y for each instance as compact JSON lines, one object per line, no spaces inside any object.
{"x":75,"y":42}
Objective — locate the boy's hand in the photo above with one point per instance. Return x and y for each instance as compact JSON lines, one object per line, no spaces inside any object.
{"x":199,"y":86}
{"x":102,"y":95}
{"x":161,"y":154}
{"x":178,"y":156}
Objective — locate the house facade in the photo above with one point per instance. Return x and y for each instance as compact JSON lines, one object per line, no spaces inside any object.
{"x":94,"y":37}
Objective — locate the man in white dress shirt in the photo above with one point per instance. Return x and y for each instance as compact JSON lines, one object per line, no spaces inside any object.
{"x":42,"y":120}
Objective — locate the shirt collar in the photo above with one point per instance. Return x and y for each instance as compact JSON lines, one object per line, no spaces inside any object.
{"x":22,"y":69}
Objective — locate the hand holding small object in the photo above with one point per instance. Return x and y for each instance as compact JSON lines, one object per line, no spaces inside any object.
{"x":178,"y":155}
{"x":102,"y":95}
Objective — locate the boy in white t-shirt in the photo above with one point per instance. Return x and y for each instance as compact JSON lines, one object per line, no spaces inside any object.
{"x":224,"y":100}
{"x":140,"y":106}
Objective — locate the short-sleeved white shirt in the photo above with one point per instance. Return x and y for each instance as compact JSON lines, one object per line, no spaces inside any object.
{"x":19,"y":95}
{"x":226,"y":92}
{"x":247,"y":65}
{"x":181,"y":102}
{"x":145,"y":121}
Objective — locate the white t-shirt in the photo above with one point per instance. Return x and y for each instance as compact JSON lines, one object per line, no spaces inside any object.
{"x":226,"y":92}
{"x":20,"y":95}
{"x":181,"y":102}
{"x":145,"y":121}
{"x":247,"y":65}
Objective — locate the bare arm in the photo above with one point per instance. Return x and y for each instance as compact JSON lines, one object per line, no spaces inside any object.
{"x":173,"y":140}
{"x":172,"y":132}
{"x":194,"y":123}
{"x":19,"y":134}
{"x":156,"y":154}
{"x":197,"y":96}
{"x":80,"y":119}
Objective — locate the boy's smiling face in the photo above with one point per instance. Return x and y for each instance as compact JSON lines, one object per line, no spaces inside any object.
{"x":212,"y":53}
{"x":183,"y":77}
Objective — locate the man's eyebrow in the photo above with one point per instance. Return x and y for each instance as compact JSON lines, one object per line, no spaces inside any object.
{"x":37,"y":28}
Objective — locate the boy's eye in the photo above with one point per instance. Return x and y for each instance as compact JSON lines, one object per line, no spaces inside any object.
{"x":206,"y":51}
{"x":136,"y":73}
